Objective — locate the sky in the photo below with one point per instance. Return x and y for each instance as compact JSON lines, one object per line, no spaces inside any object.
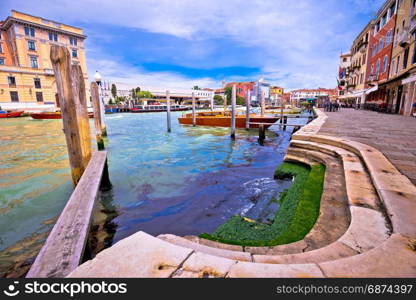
{"x":183,"y":43}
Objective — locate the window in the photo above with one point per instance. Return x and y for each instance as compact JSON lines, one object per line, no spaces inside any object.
{"x":375,"y":50}
{"x":74,"y":53}
{"x":39,"y":97}
{"x":405,"y":57}
{"x":73,"y":41}
{"x":385,"y":61}
{"x":398,"y":63}
{"x":1,"y":61}
{"x":53,"y":36}
{"x":37,"y":83}
{"x":388,"y":37}
{"x":392,"y":67}
{"x":378,"y":67}
{"x":414,"y":49}
{"x":380,"y":44}
{"x":12,"y":81}
{"x":29,"y":31}
{"x":34,"y":62}
{"x":363,"y":60}
{"x":14,"y":96}
{"x":31,"y":45}
{"x":1,"y":48}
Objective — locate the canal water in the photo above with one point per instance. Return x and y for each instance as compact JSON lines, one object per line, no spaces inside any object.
{"x":186,"y":182}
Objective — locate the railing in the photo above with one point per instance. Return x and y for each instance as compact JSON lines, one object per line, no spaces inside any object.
{"x":63,"y":250}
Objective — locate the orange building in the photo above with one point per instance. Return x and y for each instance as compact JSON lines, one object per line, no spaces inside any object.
{"x":27,"y":80}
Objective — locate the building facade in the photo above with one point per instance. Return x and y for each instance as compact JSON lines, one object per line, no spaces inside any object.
{"x":318,"y":95}
{"x":276,"y":94}
{"x":381,"y":46}
{"x":343,"y":73}
{"x":242,"y":88}
{"x":27,"y":80}
{"x":399,"y":95}
{"x":355,"y":83}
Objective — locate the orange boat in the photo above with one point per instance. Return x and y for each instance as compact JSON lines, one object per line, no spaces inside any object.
{"x":222,"y":119}
{"x":11,"y":114}
{"x":51,"y":115}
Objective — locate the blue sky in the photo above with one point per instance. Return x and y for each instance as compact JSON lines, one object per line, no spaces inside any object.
{"x":182,"y":43}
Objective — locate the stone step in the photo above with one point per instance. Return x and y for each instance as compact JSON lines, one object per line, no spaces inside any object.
{"x":360,"y":189}
{"x":179,"y":241}
{"x":395,"y":191}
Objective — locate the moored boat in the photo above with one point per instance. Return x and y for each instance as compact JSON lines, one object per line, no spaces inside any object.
{"x":10,"y":114}
{"x":52,"y":115}
{"x":222,"y":119}
{"x":157,"y":108}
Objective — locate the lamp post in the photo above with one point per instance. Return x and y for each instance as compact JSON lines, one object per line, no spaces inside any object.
{"x":98,"y":80}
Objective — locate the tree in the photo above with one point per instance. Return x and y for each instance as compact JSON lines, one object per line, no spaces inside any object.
{"x":228,"y":93}
{"x":110,"y":102}
{"x":144,"y":94}
{"x":196,"y":87}
{"x":218,"y":100}
{"x":133,"y":94}
{"x":114,"y":90}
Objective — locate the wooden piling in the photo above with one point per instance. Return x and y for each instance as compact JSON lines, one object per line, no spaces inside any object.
{"x":281,"y":118}
{"x":262,"y":105}
{"x":193,"y":110}
{"x":75,"y":139}
{"x":233,"y":104}
{"x":168,"y":111}
{"x":284,"y":123}
{"x":262,"y":134}
{"x":78,"y":85}
{"x":97,"y":115}
{"x":248,"y":110}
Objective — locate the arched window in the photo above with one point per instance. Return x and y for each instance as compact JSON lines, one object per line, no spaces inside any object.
{"x":372,"y":70}
{"x":378,"y":67}
{"x":385,"y":64}
{"x":380,"y":44}
{"x":374,"y":49}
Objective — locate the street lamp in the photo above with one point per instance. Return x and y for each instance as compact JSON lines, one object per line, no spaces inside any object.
{"x":97,"y":78}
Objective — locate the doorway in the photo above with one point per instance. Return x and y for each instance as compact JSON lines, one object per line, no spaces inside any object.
{"x":399,"y":99}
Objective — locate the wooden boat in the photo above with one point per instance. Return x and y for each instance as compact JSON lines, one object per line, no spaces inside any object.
{"x":222,"y":119}
{"x":52,"y":115}
{"x":10,"y":114}
{"x":157,"y":108}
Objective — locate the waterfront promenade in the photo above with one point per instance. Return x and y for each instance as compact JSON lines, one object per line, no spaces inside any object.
{"x":393,"y":135}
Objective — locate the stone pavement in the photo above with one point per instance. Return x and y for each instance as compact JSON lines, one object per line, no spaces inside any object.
{"x":394,"y":135}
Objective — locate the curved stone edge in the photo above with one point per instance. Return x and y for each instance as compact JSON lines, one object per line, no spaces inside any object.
{"x":395,"y":190}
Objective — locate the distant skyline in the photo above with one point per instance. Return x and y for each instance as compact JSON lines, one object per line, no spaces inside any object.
{"x":183,"y":43}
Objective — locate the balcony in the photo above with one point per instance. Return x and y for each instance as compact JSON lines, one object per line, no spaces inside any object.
{"x":403,"y":39}
{"x":372,"y":79}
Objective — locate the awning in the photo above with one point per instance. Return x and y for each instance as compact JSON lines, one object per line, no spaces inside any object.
{"x":373,"y":89}
{"x":409,"y":79}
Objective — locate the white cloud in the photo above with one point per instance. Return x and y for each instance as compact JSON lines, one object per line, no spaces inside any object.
{"x":302,"y":38}
{"x":120,"y":73}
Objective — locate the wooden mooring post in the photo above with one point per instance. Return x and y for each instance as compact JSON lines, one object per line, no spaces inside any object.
{"x":281,"y":118}
{"x":97,"y":115}
{"x":76,"y":128}
{"x":168,"y":111}
{"x":248,"y":110}
{"x":262,"y":105}
{"x":193,"y":110}
{"x":284,"y":123}
{"x":262,"y":134}
{"x":233,"y":112}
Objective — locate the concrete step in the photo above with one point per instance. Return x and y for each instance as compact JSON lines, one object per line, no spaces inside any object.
{"x":179,"y":241}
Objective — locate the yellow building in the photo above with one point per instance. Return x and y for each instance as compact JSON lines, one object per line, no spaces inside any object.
{"x":27,"y":79}
{"x":275,"y":90}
